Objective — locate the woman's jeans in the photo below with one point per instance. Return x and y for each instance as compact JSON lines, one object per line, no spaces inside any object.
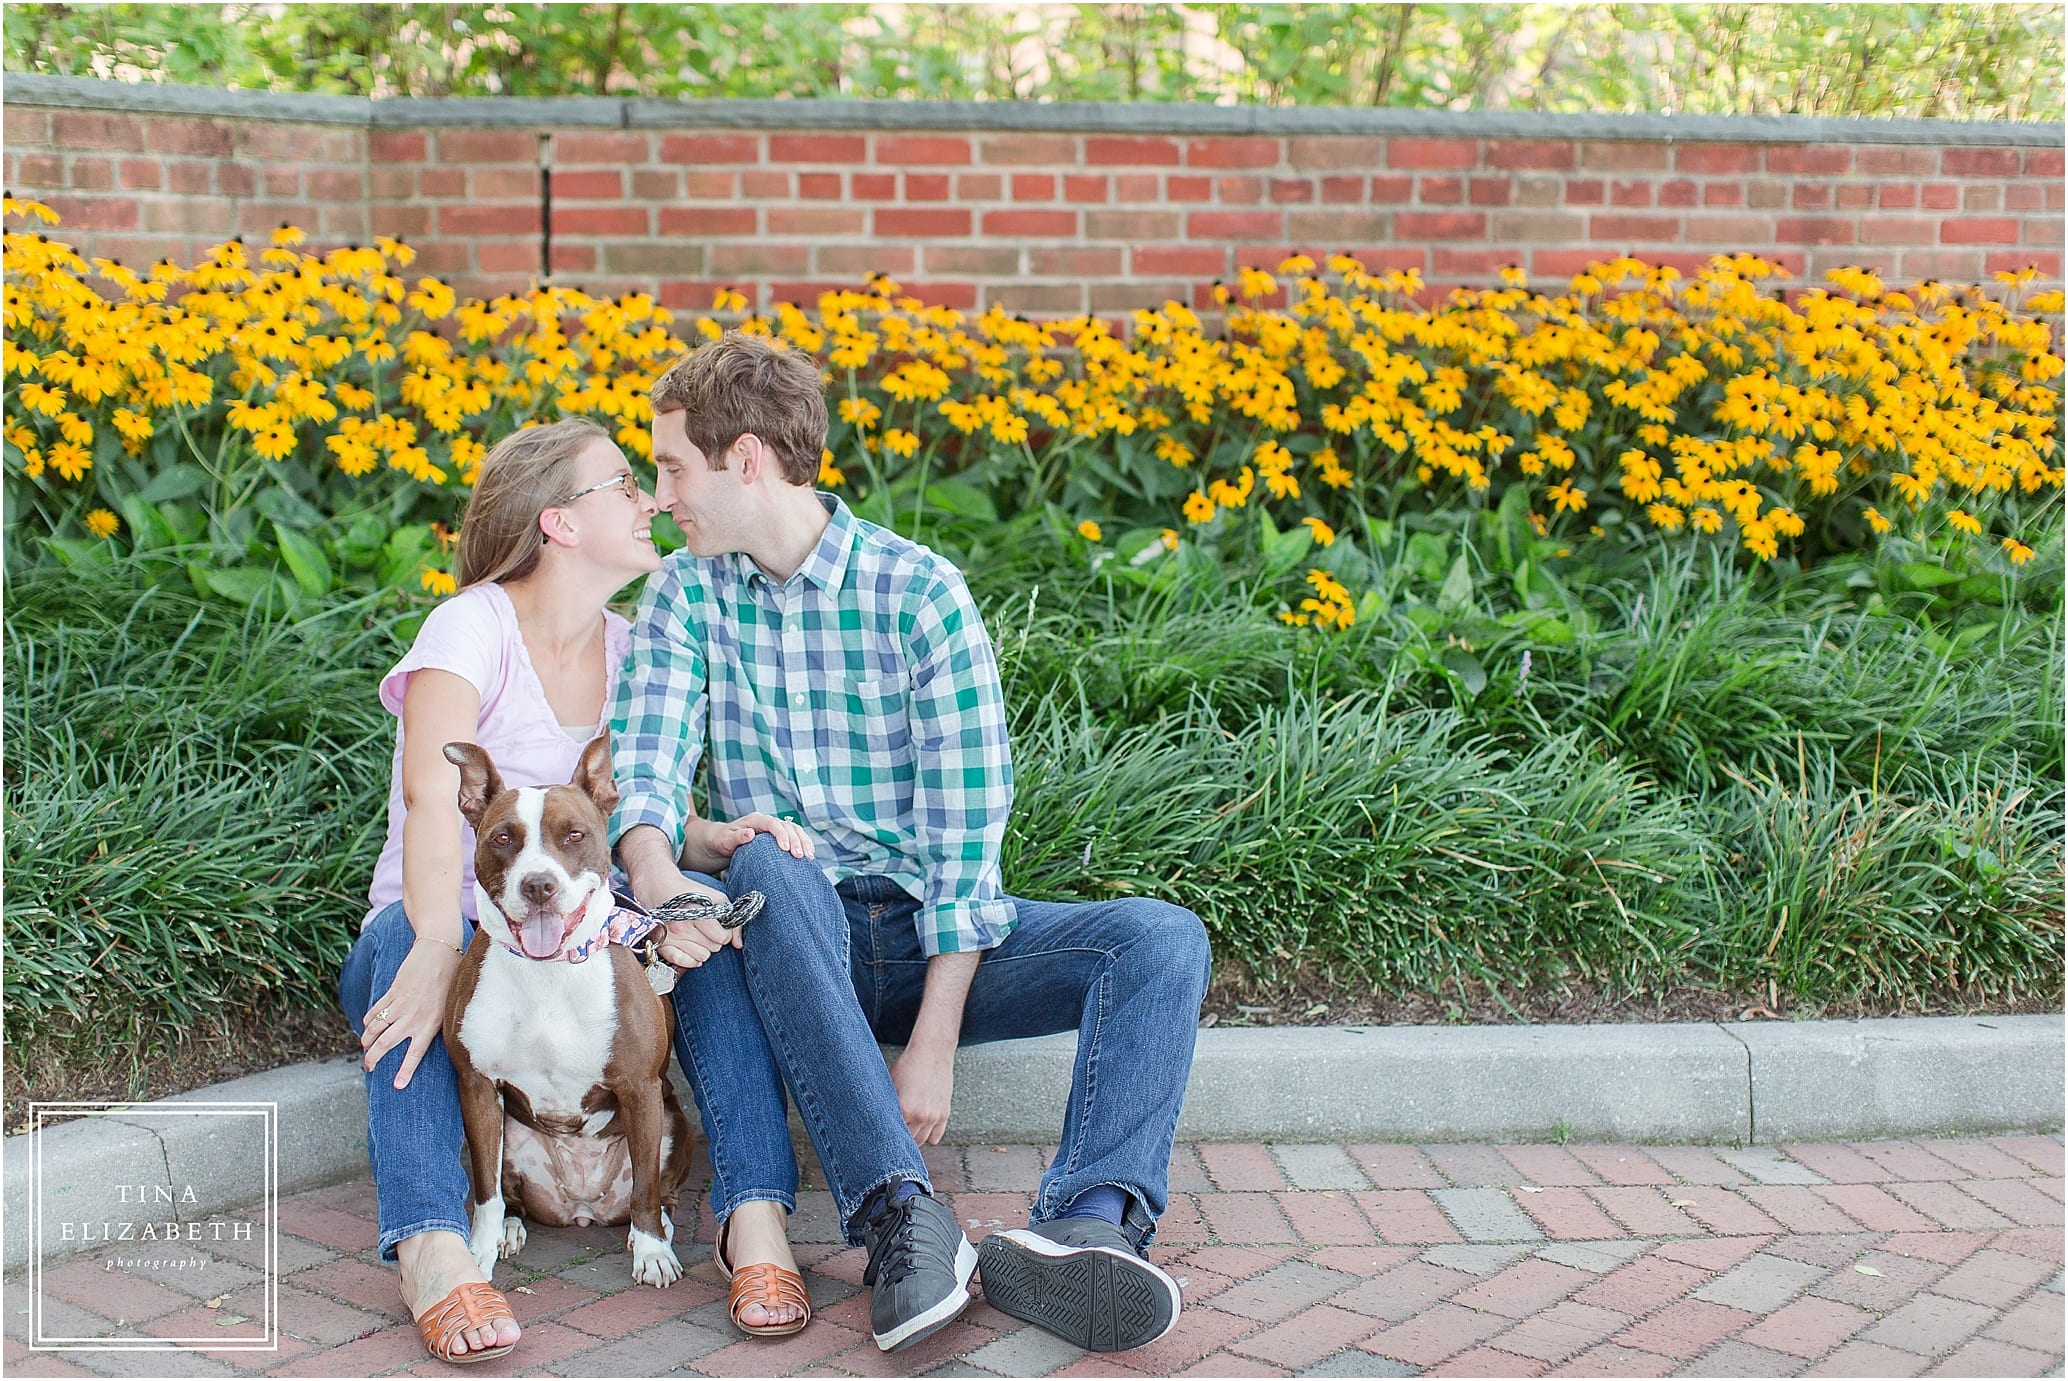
{"x":826,"y":973}
{"x":413,"y":1135}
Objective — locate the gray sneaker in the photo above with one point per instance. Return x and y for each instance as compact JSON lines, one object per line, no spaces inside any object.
{"x":1082,"y":1280}
{"x":919,"y":1269}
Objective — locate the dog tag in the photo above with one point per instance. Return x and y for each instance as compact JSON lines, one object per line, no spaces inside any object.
{"x":661,"y":975}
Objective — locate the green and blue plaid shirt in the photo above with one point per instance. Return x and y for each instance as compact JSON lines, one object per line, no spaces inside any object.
{"x":859,"y":698}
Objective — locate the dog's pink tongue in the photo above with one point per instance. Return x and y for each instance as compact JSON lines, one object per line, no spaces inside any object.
{"x":540,"y":934}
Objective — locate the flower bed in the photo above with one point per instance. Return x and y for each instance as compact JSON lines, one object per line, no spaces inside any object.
{"x":297,"y":420}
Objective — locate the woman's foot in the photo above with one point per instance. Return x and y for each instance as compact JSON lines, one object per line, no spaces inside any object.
{"x":757,"y":1232}
{"x":433,"y":1263}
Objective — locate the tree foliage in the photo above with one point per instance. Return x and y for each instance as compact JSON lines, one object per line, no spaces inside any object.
{"x":1972,"y":61}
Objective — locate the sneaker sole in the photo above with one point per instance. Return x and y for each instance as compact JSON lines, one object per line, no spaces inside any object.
{"x":922,"y":1326}
{"x":1097,"y":1298}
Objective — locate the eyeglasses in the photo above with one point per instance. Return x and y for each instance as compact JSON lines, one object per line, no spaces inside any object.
{"x":624,"y":481}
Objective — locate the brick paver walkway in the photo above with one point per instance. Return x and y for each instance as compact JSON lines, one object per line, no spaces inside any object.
{"x":1881,"y":1258}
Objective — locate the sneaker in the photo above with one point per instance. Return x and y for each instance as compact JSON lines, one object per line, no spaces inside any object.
{"x":919,"y":1268}
{"x":1082,"y":1280}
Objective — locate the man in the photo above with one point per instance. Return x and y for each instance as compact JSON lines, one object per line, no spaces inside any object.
{"x":850,"y":692}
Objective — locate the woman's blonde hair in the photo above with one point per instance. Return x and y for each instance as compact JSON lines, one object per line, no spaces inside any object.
{"x":525,"y":474}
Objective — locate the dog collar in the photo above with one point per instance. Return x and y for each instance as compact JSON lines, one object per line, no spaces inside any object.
{"x":625,"y":927}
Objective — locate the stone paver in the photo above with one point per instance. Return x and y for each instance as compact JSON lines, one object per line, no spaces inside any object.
{"x":1903,"y":1258}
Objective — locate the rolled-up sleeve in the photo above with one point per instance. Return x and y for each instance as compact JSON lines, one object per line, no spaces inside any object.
{"x":657,"y":722}
{"x":962,"y":794}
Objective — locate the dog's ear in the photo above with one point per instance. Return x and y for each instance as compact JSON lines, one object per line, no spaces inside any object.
{"x":480,"y":783}
{"x":593,"y":776}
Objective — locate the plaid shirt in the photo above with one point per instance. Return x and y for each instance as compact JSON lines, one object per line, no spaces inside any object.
{"x":859,"y":698}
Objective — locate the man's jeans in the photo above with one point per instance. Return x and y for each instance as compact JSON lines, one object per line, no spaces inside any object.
{"x":825,"y":974}
{"x":413,"y":1135}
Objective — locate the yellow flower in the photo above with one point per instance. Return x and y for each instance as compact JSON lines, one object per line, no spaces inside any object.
{"x":2018,"y":551}
{"x":274,"y":443}
{"x":1707,"y":519}
{"x":1327,"y":586}
{"x":102,"y":523}
{"x":1198,"y":508}
{"x":438,"y":582}
{"x":1665,"y":516}
{"x":1964,"y":521}
{"x":48,"y":401}
{"x":1877,"y":522}
{"x":1565,"y":496}
{"x":1090,"y":531}
{"x":900,"y":442}
{"x":1324,"y":535}
{"x":830,"y":474}
{"x":70,"y":460}
{"x":1759,"y":539}
{"x":1176,"y":452}
{"x":1170,"y":539}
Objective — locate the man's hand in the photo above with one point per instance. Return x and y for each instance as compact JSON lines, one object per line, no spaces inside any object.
{"x":655,"y":879}
{"x":690,"y":943}
{"x":925,"y":1073}
{"x":708,"y":845}
{"x":925,"y":1079}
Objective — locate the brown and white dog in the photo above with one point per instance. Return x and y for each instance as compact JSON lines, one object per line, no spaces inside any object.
{"x":559,"y":1041}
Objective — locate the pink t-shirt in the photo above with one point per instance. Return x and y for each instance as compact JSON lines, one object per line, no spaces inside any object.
{"x":474,"y":634}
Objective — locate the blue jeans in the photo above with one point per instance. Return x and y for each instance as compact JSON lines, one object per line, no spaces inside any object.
{"x":413,"y":1135}
{"x":826,"y":973}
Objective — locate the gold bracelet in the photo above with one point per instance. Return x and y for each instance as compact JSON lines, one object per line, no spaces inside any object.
{"x":452,"y":945}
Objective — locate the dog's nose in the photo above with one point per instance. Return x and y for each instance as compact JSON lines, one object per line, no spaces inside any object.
{"x":539,"y":889}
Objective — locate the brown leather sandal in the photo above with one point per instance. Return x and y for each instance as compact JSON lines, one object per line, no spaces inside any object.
{"x":765,"y":1284}
{"x":476,"y":1304}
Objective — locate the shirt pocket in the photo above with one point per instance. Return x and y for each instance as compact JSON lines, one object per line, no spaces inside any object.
{"x":877,"y":718}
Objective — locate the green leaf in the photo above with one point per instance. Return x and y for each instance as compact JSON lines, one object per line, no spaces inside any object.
{"x":285,"y":507}
{"x":1923,"y":575}
{"x":403,"y":553}
{"x":243,"y":584}
{"x":962,"y":499}
{"x":148,"y":529}
{"x":1427,"y":554}
{"x":1456,"y":593}
{"x":178,"y":482}
{"x":1511,"y":526}
{"x":1466,"y":668}
{"x":361,"y":545}
{"x":81,"y":551}
{"x":305,"y":559}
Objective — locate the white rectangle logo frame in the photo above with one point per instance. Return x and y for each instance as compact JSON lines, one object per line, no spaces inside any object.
{"x":269,"y":1210}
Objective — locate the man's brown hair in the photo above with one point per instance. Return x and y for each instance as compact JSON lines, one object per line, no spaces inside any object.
{"x":739,"y":384}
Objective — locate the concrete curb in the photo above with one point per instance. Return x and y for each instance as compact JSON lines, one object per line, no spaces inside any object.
{"x":1741,"y":1083}
{"x":1112,"y":117}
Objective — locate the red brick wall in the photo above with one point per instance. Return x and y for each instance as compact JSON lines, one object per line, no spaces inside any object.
{"x":1040,"y":222}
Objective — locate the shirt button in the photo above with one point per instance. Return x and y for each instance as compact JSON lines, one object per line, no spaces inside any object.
{"x":800,"y":699}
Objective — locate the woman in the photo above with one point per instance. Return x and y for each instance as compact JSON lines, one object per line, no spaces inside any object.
{"x":524,"y":661}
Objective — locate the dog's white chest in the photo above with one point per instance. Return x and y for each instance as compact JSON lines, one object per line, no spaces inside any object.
{"x":547,"y":1028}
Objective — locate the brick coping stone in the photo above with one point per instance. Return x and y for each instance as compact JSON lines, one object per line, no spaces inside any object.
{"x":598,"y":112}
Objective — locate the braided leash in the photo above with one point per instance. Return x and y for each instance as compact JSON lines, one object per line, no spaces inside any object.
{"x":689,"y":906}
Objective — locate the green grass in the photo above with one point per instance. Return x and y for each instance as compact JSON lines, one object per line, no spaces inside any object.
{"x":194,"y":797}
{"x":1718,"y":780}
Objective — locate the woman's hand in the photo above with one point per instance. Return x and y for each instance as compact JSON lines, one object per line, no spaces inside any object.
{"x":413,"y":1009}
{"x":708,"y":845}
